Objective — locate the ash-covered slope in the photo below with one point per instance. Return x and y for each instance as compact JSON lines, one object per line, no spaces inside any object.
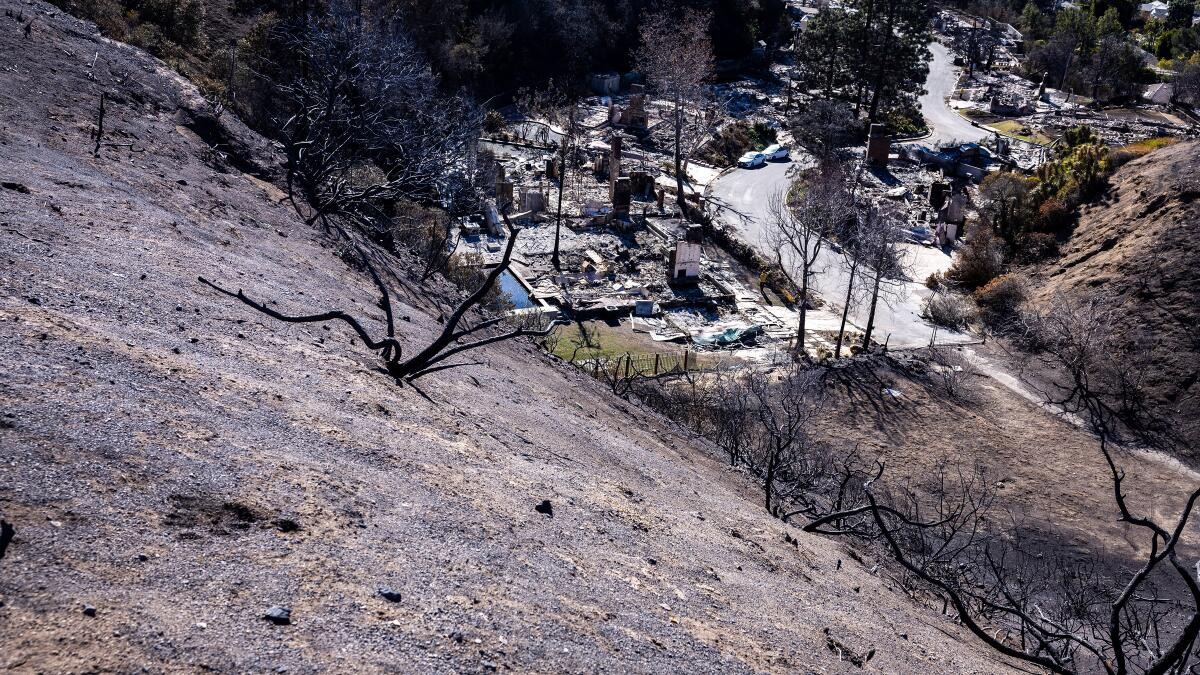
{"x":1140,"y":249}
{"x":178,"y":465}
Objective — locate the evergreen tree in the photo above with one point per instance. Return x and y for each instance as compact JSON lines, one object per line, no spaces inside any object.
{"x":823,"y":53}
{"x":892,"y":38}
{"x":874,"y":54}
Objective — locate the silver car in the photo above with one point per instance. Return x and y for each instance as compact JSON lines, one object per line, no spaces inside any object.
{"x":775,"y":152}
{"x":751,"y":160}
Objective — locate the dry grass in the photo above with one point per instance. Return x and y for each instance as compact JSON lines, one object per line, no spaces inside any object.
{"x":155,"y":435}
{"x":1019,"y":131}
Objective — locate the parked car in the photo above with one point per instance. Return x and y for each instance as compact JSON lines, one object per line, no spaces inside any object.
{"x":751,"y":160}
{"x":775,"y":152}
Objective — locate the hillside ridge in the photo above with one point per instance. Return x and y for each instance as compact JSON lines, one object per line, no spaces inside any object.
{"x":1139,"y":248}
{"x":175,"y":465}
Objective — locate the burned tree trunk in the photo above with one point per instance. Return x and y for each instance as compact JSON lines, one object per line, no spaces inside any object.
{"x":429,"y":359}
{"x":98,"y":133}
{"x":837,"y":349}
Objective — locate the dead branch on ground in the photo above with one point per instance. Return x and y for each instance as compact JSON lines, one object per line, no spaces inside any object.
{"x":452,"y":341}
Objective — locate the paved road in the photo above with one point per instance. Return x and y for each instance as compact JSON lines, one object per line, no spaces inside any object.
{"x":946,"y":125}
{"x":740,"y":199}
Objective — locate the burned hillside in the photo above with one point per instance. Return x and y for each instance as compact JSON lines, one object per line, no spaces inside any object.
{"x":179,"y":470}
{"x":1139,"y":249}
{"x":422,"y":382}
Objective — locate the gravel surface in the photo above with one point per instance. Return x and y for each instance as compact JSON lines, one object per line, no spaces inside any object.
{"x":178,"y":470}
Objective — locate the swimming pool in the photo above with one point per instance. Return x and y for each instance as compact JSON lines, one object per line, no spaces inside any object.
{"x":516,"y":292}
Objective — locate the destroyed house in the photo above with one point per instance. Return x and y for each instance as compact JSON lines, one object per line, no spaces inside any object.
{"x":685,"y":255}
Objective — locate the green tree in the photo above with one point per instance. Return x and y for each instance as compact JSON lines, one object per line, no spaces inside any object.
{"x":1108,"y":24}
{"x":823,"y":53}
{"x":1179,"y":13}
{"x":1035,"y":22}
{"x":1080,"y":170}
{"x":1005,"y":202}
{"x":1124,"y":10}
{"x":891,"y":39}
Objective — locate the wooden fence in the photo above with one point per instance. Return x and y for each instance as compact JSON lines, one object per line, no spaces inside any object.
{"x":641,"y":365}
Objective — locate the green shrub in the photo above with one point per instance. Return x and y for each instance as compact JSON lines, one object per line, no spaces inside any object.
{"x":108,"y":15}
{"x":761,"y":136}
{"x":729,"y":144}
{"x":180,"y":20}
{"x":735,"y":140}
{"x":906,"y":120}
{"x":150,"y":37}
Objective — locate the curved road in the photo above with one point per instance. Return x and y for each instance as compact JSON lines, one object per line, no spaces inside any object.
{"x":944,"y":124}
{"x":739,"y":200}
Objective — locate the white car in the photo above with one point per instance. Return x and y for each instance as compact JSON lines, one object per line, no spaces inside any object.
{"x":751,"y":160}
{"x":775,"y":152}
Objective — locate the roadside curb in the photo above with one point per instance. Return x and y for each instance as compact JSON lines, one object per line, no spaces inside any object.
{"x":724,"y":172}
{"x":910,"y":139}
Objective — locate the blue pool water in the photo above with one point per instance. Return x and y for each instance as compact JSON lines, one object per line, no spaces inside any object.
{"x":515,"y":291}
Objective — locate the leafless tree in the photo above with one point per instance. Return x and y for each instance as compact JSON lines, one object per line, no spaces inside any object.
{"x":853,"y":243}
{"x":425,"y":232}
{"x":978,"y":44}
{"x":585,"y":338}
{"x":1026,"y":600}
{"x":729,"y":418}
{"x":1114,"y":67}
{"x":1101,"y":367}
{"x":883,"y":264}
{"x":803,"y":216}
{"x":781,"y":440}
{"x":1016,"y":589}
{"x":456,"y":336}
{"x":953,"y":370}
{"x":622,"y":374}
{"x":676,"y":56}
{"x":363,"y":120}
{"x":1187,"y":83}
{"x":559,"y":106}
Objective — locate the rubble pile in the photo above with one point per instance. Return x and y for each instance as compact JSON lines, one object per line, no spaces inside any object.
{"x":1034,"y":114}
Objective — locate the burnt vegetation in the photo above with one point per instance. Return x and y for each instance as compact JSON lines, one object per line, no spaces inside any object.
{"x":381,"y":155}
{"x":947,"y":538}
{"x":459,"y":333}
{"x":367,"y":129}
{"x":375,"y":151}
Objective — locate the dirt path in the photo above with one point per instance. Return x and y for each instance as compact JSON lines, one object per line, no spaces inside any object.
{"x":1020,"y":387}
